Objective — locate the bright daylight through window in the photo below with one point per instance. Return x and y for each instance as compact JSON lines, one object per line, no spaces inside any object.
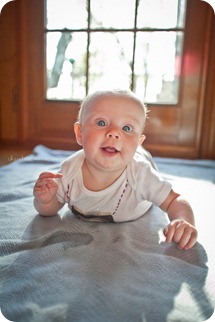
{"x":94,"y":44}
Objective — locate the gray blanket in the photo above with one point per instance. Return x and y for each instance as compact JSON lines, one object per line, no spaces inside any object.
{"x":63,"y":269}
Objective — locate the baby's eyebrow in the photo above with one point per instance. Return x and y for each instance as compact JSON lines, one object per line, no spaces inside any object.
{"x":135,"y":119}
{"x":129,"y":118}
{"x":97,"y":114}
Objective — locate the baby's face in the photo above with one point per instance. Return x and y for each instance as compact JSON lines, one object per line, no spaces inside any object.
{"x":111,"y":131}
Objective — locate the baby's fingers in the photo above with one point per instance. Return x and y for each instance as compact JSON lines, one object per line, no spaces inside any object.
{"x":185,"y":235}
{"x":50,"y":175}
{"x":46,"y":180}
{"x":169,"y":232}
{"x":175,"y":230}
{"x":44,"y":186}
{"x":45,"y":183}
{"x":192,"y":241}
{"x":182,"y":233}
{"x":185,"y":239}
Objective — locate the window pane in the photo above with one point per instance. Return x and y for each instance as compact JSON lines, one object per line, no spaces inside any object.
{"x":155,"y":77}
{"x":112,"y":13}
{"x":161,"y":14}
{"x":66,"y":65}
{"x":71,"y":14}
{"x":110,"y":60}
{"x":157,"y":66}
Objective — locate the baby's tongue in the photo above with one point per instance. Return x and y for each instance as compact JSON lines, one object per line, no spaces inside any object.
{"x":111,"y":150}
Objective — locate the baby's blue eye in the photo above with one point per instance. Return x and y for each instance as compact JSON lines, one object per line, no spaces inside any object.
{"x":127,"y":128}
{"x":101,"y":123}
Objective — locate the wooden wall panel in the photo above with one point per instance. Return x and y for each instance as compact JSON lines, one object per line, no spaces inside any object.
{"x":208,"y":124}
{"x":8,"y":73}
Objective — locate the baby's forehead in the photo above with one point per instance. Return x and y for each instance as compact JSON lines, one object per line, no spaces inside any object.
{"x":108,"y":102}
{"x":113,"y":101}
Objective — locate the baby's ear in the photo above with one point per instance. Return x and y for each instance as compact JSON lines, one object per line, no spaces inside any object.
{"x":142,"y":139}
{"x":78,"y":133}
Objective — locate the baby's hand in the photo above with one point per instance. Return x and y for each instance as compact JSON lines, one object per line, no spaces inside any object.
{"x":46,"y":186}
{"x":182,"y":233}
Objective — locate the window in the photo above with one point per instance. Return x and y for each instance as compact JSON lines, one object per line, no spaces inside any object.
{"x":94,"y":44}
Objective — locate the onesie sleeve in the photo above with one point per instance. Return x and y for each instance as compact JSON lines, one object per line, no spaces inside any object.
{"x":62,"y":184}
{"x":149,"y":184}
{"x":61,"y":192}
{"x":69,"y":169}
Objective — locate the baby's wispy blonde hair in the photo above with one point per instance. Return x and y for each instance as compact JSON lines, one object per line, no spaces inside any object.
{"x":108,"y":93}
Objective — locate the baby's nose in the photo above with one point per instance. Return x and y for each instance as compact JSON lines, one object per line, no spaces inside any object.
{"x":113,"y":134}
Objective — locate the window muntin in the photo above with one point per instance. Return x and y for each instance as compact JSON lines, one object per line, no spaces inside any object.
{"x":88,"y":49}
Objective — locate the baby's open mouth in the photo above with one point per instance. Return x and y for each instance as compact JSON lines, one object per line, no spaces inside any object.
{"x":109,"y":149}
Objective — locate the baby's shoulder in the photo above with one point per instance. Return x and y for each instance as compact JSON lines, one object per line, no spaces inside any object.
{"x":141,"y":169}
{"x":138,"y":165}
{"x":144,"y":157}
{"x":73,"y":163}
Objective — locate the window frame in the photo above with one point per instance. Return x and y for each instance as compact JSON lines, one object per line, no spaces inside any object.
{"x":173,"y":132}
{"x":89,"y":30}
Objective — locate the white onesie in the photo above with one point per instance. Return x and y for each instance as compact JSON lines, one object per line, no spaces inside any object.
{"x":126,"y":199}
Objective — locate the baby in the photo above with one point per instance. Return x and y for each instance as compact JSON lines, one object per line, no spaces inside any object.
{"x":112,"y":179}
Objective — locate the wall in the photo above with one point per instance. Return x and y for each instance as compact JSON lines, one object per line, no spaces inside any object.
{"x":28,"y":120}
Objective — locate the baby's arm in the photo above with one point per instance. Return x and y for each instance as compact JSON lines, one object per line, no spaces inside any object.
{"x":182,"y":223}
{"x":45,"y":190}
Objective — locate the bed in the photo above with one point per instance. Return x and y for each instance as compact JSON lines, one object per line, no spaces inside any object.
{"x":63,"y":269}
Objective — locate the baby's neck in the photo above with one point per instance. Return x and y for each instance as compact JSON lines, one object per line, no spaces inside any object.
{"x":97,"y":180}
